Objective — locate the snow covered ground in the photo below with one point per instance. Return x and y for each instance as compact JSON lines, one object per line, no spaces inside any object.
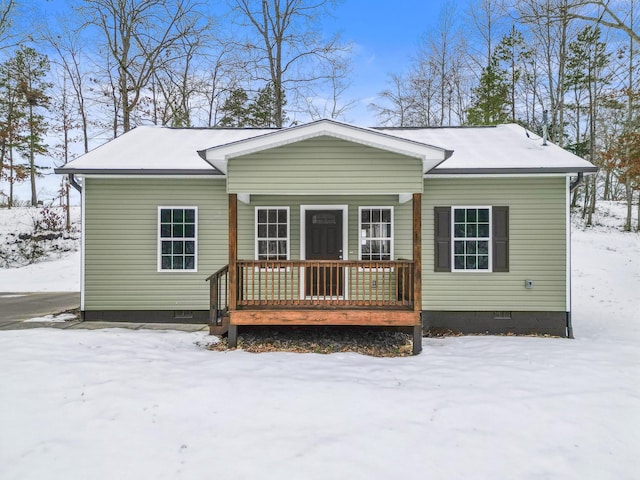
{"x":120,"y":404}
{"x":57,"y":266}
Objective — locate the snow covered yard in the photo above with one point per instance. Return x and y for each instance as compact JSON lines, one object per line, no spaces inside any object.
{"x":147,"y":404}
{"x":41,"y":259}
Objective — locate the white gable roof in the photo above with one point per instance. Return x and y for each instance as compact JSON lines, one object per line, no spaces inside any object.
{"x":151,"y":149}
{"x":501,"y":149}
{"x":430,"y":155}
{"x":467,"y":150}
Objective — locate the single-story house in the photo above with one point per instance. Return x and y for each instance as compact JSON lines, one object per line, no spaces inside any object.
{"x":326,"y":223}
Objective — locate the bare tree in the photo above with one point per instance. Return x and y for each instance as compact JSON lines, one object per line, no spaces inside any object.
{"x":7,"y":8}
{"x":439,"y":50}
{"x":607,"y":13}
{"x":551,"y":33}
{"x":140,"y":37}
{"x":177,"y":83}
{"x":329,"y":103}
{"x":67,"y":46}
{"x":395,"y":110}
{"x":285,"y":46}
{"x":488,"y":18}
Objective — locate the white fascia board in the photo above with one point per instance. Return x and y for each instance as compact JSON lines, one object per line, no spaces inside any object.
{"x":429,"y":154}
{"x":154,"y":175}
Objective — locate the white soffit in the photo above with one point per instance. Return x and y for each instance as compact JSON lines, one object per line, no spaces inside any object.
{"x":430,"y":155}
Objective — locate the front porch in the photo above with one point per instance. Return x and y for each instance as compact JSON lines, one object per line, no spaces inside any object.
{"x":380,"y":293}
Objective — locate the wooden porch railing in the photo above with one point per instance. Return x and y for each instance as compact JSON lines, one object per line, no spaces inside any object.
{"x":218,"y":296}
{"x":325,"y":283}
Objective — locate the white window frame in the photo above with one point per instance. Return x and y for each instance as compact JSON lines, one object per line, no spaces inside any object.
{"x":255,"y":225}
{"x":362,"y":238}
{"x":160,"y":239}
{"x":489,"y":239}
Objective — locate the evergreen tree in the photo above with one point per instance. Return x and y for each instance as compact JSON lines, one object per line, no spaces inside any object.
{"x":239,"y":111}
{"x":12,"y":126}
{"x":31,"y":69}
{"x":491,"y":97}
{"x":262,"y":111}
{"x":586,"y":62}
{"x":513,"y":54}
{"x":234,"y":111}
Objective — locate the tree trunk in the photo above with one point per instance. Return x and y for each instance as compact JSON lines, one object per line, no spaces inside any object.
{"x":574,"y":199}
{"x":592,"y":202}
{"x":587,"y":191}
{"x":607,"y":185}
{"x":32,"y":165}
{"x":638,"y":219}
{"x":627,"y":223}
{"x":11,"y":177}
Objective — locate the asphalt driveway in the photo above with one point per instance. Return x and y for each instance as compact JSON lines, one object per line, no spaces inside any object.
{"x":15,"y":307}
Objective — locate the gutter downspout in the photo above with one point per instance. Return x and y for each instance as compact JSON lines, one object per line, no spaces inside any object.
{"x":74,"y":183}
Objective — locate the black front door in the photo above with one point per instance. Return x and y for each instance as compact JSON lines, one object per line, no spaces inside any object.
{"x":323,"y":234}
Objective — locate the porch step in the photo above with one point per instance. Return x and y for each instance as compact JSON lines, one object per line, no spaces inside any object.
{"x":220,"y":327}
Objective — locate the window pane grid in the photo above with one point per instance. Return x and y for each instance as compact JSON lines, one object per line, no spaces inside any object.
{"x":376,"y":233}
{"x":178,"y":238}
{"x":272,"y":233}
{"x":471,"y":231}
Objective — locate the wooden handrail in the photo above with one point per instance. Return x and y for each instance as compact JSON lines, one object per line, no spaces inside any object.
{"x":326,"y":283}
{"x":218,"y":295}
{"x":218,"y":273}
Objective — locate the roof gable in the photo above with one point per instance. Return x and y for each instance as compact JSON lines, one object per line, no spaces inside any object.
{"x":431,"y":156}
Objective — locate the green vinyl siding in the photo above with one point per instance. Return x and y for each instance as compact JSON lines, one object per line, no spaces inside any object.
{"x":537,"y":246}
{"x":121,"y":242}
{"x":324,"y":165}
{"x":402,"y":216}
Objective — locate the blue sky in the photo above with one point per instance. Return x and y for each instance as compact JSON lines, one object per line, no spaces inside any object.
{"x":385,"y":34}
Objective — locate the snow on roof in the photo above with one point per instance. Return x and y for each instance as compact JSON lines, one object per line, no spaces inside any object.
{"x":157,"y":149}
{"x":500,"y":148}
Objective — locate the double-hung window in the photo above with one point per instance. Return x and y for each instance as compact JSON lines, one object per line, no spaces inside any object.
{"x":272,"y":233}
{"x":376,"y":233}
{"x":177,"y":239}
{"x":471,"y":238}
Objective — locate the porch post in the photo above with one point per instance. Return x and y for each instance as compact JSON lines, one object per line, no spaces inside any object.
{"x":233,"y":268}
{"x":417,"y":270}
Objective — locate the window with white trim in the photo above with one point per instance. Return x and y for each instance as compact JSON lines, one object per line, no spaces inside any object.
{"x":272,"y":233}
{"x":177,"y":238}
{"x":471,"y":238}
{"x":376,"y":233}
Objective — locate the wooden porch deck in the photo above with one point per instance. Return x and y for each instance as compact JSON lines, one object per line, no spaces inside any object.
{"x":319,"y":292}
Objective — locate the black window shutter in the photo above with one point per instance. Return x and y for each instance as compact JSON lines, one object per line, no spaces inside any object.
{"x":442,"y":262}
{"x":500,"y":239}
